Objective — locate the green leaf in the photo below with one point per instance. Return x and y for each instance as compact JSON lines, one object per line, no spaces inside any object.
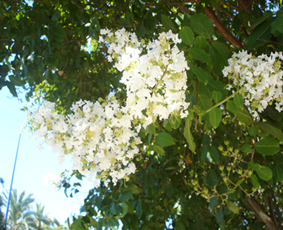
{"x":246,"y":148}
{"x":167,"y":23}
{"x":159,"y":149}
{"x":201,"y":74}
{"x":255,"y":182}
{"x":200,"y":42}
{"x":135,"y":189}
{"x":271,"y":130}
{"x":278,"y":173}
{"x":124,"y":207}
{"x":244,"y":117}
{"x":167,"y":125}
{"x":205,"y":139}
{"x":202,"y":25}
{"x":204,"y":102}
{"x":239,"y":181}
{"x":260,"y":35}
{"x":197,"y":109}
{"x":59,"y":31}
{"x":12,"y":89}
{"x":220,"y":53}
{"x":187,"y":35}
{"x":217,"y":96}
{"x":125,"y":196}
{"x":254,"y":166}
{"x":204,"y":153}
{"x":165,"y":139}
{"x":220,"y":217}
{"x":233,"y":207}
{"x":131,"y":209}
{"x":188,"y":135}
{"x":139,"y":209}
{"x":239,"y":101}
{"x":267,"y":15}
{"x":211,"y":179}
{"x":16,"y":81}
{"x":264,"y":173}
{"x":113,"y":222}
{"x":277,"y":25}
{"x":215,"y":117}
{"x":200,"y":54}
{"x":114,"y":208}
{"x":217,"y":86}
{"x":253,"y":131}
{"x":180,"y":226}
{"x":212,"y":155}
{"x":267,"y":146}
{"x":78,"y":224}
{"x":56,"y":15}
{"x":92,"y":222}
{"x":150,"y":129}
{"x":232,"y":107}
{"x":174,"y":121}
{"x":212,"y":203}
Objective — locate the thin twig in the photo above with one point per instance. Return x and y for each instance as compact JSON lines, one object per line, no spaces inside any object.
{"x":229,"y":5}
{"x":223,"y":101}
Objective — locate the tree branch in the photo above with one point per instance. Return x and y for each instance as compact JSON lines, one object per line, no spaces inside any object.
{"x":229,"y":5}
{"x":260,"y":213}
{"x":271,"y":210}
{"x":174,"y":3}
{"x":227,"y":12}
{"x":228,"y":36}
{"x":280,"y":220}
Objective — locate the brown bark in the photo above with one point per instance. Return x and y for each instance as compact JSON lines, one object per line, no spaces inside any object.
{"x":228,"y":36}
{"x":260,"y":214}
{"x":245,"y":5}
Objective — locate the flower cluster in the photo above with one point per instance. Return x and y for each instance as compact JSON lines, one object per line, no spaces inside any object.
{"x":103,"y":136}
{"x":155,"y":81}
{"x":260,"y":76}
{"x":99,"y":136}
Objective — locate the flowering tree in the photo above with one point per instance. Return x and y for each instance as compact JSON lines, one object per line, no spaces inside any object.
{"x":175,"y":108}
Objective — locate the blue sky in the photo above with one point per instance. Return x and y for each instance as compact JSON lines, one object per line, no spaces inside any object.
{"x":32,"y":164}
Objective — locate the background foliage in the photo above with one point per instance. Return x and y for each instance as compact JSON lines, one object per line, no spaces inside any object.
{"x":2,"y":218}
{"x":218,"y":168}
{"x":21,"y":215}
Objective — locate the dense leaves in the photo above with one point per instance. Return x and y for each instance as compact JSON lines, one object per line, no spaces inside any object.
{"x":207,"y":171}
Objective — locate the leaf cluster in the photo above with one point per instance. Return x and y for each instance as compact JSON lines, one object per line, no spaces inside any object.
{"x":203,"y":172}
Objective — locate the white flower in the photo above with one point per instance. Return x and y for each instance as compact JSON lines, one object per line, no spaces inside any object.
{"x":101,"y":136}
{"x":261,"y":76}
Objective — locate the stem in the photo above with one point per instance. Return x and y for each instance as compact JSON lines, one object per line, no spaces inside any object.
{"x":221,"y":102}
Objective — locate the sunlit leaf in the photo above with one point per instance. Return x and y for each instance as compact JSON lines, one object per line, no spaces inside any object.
{"x":264,"y":173}
{"x":267,"y":146}
{"x":187,"y":35}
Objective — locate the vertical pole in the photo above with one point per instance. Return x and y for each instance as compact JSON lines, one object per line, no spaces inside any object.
{"x":11,"y":185}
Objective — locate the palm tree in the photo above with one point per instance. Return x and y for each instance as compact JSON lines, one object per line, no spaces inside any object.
{"x":2,"y":220}
{"x":38,"y":220}
{"x":19,"y":210}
